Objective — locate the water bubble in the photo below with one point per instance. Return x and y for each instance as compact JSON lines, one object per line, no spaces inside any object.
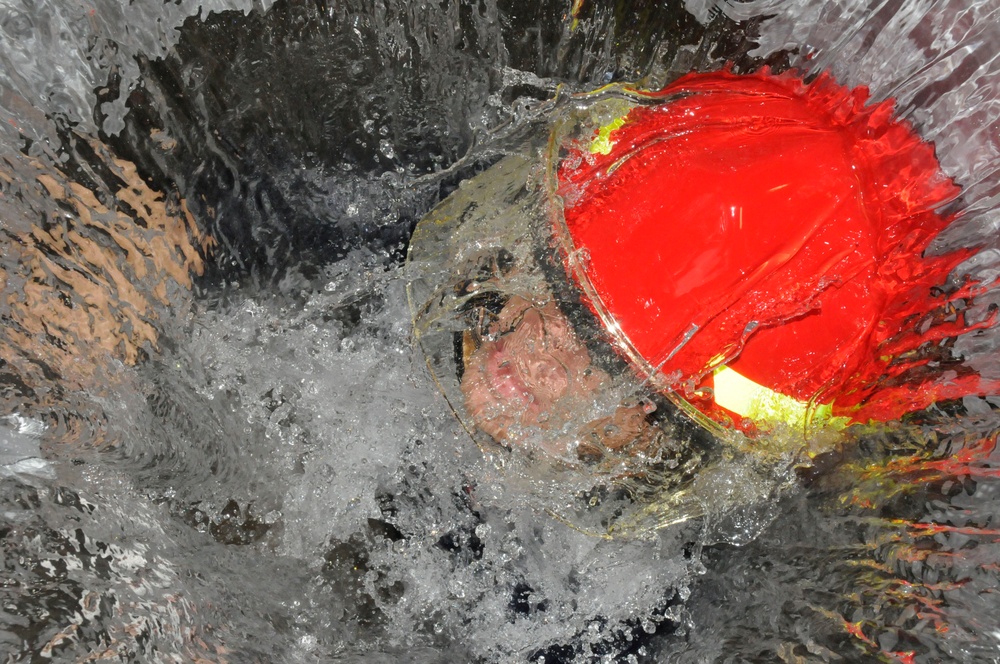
{"x":385,"y":147}
{"x":307,"y":642}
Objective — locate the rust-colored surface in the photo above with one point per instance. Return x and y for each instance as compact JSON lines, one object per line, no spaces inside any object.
{"x":90,"y":275}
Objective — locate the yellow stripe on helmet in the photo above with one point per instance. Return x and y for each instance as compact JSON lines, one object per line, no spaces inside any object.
{"x":738,"y":394}
{"x":602,"y":142}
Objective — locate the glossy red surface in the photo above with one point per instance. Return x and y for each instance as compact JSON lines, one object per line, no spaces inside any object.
{"x":772,"y":225}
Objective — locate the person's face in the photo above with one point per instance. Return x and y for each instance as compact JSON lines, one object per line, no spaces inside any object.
{"x":527,"y":372}
{"x":532,"y":374}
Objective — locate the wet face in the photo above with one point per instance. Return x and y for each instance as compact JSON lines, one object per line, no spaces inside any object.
{"x":532,"y":374}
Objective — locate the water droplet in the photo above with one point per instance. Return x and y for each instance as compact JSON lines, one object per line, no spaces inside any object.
{"x":385,"y":147}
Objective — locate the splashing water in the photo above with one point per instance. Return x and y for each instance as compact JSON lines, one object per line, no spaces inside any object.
{"x":218,"y":441}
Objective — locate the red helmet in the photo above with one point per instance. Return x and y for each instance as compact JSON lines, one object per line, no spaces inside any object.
{"x":758,"y":246}
{"x":754,"y":245}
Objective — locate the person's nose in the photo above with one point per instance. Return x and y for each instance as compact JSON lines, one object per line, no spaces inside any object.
{"x":545,"y":376}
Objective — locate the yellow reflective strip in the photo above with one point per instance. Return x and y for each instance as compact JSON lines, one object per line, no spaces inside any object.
{"x":602,"y":143}
{"x":740,"y":395}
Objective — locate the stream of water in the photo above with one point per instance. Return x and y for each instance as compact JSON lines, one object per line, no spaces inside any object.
{"x":218,"y":441}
